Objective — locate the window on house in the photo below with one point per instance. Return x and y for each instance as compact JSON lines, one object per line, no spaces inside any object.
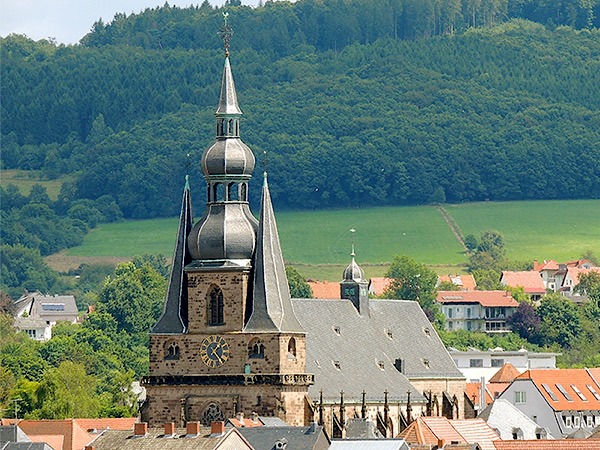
{"x":450,"y":325}
{"x":399,"y":365}
{"x":564,"y":392}
{"x":468,"y":312}
{"x":589,"y":420}
{"x":381,"y":365}
{"x":568,"y":422}
{"x":469,"y":325}
{"x":550,"y":392}
{"x":576,"y":422}
{"x":476,"y":362}
{"x":579,"y":393}
{"x":517,"y":433}
{"x":449,"y":313}
{"x":520,"y":397}
{"x":337,"y":365}
{"x":497,"y":362}
{"x":593,"y":391}
{"x":215,"y":306}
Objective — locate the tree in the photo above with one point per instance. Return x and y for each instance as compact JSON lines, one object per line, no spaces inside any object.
{"x":525,"y":322}
{"x":489,"y":253}
{"x":560,"y":320}
{"x":134,"y":296}
{"x":470,"y":242}
{"x":589,"y":284}
{"x":412,"y":280}
{"x":7,"y":304}
{"x":299,"y":288}
{"x":487,"y":279}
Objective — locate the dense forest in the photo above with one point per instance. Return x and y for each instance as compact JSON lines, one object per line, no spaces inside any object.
{"x":354,"y":103}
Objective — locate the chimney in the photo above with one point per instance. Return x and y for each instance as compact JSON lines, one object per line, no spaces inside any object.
{"x":254,"y":417}
{"x":169,"y":428}
{"x":240,"y":416}
{"x":217,"y":428}
{"x":441,"y":444}
{"x":140,"y":429}
{"x":312,"y":429}
{"x":535,"y":264}
{"x":192,"y":428}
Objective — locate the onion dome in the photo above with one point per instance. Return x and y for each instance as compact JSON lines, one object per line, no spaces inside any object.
{"x":354,"y":272}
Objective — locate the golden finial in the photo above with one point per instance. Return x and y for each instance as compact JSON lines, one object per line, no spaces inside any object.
{"x":226,"y":33}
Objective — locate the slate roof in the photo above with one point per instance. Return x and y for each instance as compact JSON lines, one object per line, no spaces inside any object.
{"x":503,"y":416}
{"x":271,"y":302}
{"x":484,"y":298}
{"x":570,"y":381}
{"x":155,"y":440}
{"x":560,"y":444}
{"x":228,"y":97}
{"x":174,"y":316}
{"x":297,"y":438}
{"x":394,"y":329}
{"x":38,"y":305}
{"x":12,"y":433}
{"x":25,"y":446}
{"x":369,"y":444}
{"x":530,"y":281}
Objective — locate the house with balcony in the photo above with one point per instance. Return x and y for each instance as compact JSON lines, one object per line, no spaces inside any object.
{"x":485,"y":311}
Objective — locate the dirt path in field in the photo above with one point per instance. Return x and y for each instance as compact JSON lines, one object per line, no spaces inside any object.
{"x":452,"y":225}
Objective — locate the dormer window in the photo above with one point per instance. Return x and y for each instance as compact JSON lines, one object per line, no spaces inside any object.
{"x":336,"y":330}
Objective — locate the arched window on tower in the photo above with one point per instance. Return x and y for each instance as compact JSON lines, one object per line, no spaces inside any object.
{"x":232,"y":192}
{"x":218,"y":192}
{"x":220,"y":127}
{"x":171,"y":350}
{"x":208,"y":194}
{"x":215,"y":306}
{"x":231,"y":128}
{"x":292,"y":348}
{"x":256,"y":349}
{"x":243,"y":192}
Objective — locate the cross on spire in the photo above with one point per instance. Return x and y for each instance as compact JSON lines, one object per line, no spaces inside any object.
{"x":226,"y":33}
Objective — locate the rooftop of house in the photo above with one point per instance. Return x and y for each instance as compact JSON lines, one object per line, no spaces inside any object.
{"x":485,"y":298}
{"x":430,"y":430}
{"x":378,"y":285}
{"x":575,"y":272}
{"x":73,"y":436}
{"x":325,"y":289}
{"x":504,"y":417}
{"x":566,"y":389}
{"x":505,"y":374}
{"x":296,"y":438}
{"x":559,"y":444}
{"x":465,"y":282}
{"x":38,"y":305}
{"x":473,"y":391}
{"x":529,"y":280}
{"x":369,"y":444}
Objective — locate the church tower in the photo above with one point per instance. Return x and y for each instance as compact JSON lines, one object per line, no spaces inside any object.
{"x":228,"y":340}
{"x":354,"y":286}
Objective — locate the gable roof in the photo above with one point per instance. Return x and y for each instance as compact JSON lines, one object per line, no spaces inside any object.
{"x":429,"y":430}
{"x":297,"y":438}
{"x":503,"y":416}
{"x":75,"y":437}
{"x":120,"y":423}
{"x":529,"y":280}
{"x":336,"y":332}
{"x":465,"y":282}
{"x":505,"y":374}
{"x":369,"y":444}
{"x":325,"y":289}
{"x":560,"y":444}
{"x":574,"y":273}
{"x":484,"y":298}
{"x":547,"y":265}
{"x":38,"y":305}
{"x":155,"y":440}
{"x":563,"y":385}
{"x":473,"y":391}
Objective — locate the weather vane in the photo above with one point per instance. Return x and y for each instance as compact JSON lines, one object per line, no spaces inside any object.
{"x":226,"y":33}
{"x":352,"y":238}
{"x":264,"y":163}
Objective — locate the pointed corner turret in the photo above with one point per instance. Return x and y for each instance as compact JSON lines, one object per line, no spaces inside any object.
{"x":174,"y":317}
{"x":354,"y":285}
{"x":272,"y":306}
{"x":228,"y":104}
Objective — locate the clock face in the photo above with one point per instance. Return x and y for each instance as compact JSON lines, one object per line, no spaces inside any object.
{"x":214,"y":351}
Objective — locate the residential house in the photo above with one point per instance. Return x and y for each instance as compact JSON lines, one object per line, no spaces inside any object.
{"x":510,"y":423}
{"x":59,"y":434}
{"x":311,"y":437}
{"x":464,"y":282}
{"x":36,"y":313}
{"x":571,"y":280}
{"x":530,"y":280}
{"x":481,"y":394}
{"x":193,"y":437}
{"x":375,"y":444}
{"x":325,"y":289}
{"x":434,"y":430}
{"x":13,"y":438}
{"x":476,"y":364}
{"x":559,"y":400}
{"x":477,"y":310}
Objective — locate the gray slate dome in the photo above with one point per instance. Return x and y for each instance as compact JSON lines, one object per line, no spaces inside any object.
{"x":228,"y":157}
{"x":354,"y":272}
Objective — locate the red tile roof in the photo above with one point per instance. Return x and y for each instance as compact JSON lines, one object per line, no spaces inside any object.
{"x":575,"y":272}
{"x":570,"y":381}
{"x":506,"y":374}
{"x":325,"y":289}
{"x":530,"y":281}
{"x":559,"y":444}
{"x":547,"y":265}
{"x":428,"y":430}
{"x":121,"y":423}
{"x":378,"y":285}
{"x":485,"y":298}
{"x":473,"y":390}
{"x":56,"y":441}
{"x":75,"y":437}
{"x":465,"y":282}
{"x":245,"y":423}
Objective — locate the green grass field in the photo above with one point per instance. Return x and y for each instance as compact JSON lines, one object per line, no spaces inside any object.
{"x":318,"y":243}
{"x":25,"y":179}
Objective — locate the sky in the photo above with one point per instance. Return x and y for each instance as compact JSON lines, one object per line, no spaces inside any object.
{"x":67,"y":21}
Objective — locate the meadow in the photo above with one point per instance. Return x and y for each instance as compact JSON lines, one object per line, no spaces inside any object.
{"x":319,"y":243}
{"x":25,"y":179}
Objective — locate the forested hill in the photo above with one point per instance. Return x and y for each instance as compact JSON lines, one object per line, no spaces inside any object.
{"x":500,"y":112}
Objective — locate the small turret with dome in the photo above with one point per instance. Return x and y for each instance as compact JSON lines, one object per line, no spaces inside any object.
{"x":354,"y":285}
{"x":227,"y":231}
